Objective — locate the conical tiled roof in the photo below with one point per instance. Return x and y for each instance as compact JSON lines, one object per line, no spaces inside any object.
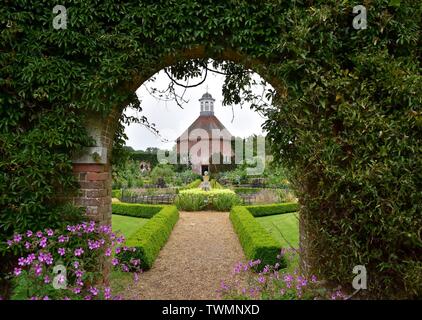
{"x":204,"y":122}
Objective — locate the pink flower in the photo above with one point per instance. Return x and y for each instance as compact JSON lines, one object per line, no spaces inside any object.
{"x":114,"y":262}
{"x":29,"y":233}
{"x":46,"y":279}
{"x":79,"y":273}
{"x":39,"y":234}
{"x":61,"y":279}
{"x":38,"y":270}
{"x":135,"y":262}
{"x":120,"y":240}
{"x":63,"y":239}
{"x":261,"y":279}
{"x":21,"y":261}
{"x":288,"y":278}
{"x":93,"y":290}
{"x":313,"y":278}
{"x":61,"y":251}
{"x":17,"y":238}
{"x":50,"y":232}
{"x":77,"y":290}
{"x":125,"y":268}
{"x":79,"y":252}
{"x":17,"y":271}
{"x":107,"y":293}
{"x":108,"y":252}
{"x":43,"y":242}
{"x":76,"y":264}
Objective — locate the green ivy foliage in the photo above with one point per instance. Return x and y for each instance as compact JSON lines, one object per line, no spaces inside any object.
{"x":346,"y":120}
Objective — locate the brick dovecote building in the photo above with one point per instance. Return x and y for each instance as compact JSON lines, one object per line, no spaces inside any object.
{"x":205,"y":139}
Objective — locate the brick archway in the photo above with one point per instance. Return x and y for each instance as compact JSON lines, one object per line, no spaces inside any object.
{"x":92,"y":167}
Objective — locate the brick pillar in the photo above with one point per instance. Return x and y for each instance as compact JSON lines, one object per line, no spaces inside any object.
{"x":95,"y":190}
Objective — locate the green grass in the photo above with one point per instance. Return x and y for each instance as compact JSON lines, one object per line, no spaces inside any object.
{"x":119,"y":280}
{"x":127,"y":225}
{"x":283,"y":227}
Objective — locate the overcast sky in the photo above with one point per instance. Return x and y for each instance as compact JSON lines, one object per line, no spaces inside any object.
{"x":171,"y":120}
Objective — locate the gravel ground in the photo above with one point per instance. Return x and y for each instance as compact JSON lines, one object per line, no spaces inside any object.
{"x":201,"y":252}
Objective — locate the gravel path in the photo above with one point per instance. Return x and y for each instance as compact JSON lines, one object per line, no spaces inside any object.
{"x":201,"y":251}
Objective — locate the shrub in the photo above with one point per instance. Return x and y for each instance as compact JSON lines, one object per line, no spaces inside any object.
{"x":275,"y":284}
{"x":77,"y":250}
{"x":198,"y":199}
{"x":215,"y":185}
{"x":186,"y":176}
{"x":191,"y":201}
{"x":246,"y":190}
{"x":192,"y":185}
{"x":271,"y":209}
{"x":257,"y":243}
{"x":117,"y":193}
{"x":162,"y":172}
{"x":135,"y":210}
{"x":224,"y":202}
{"x":151,"y":237}
{"x":265,"y":196}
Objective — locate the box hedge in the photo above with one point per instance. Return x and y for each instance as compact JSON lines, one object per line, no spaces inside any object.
{"x":136,"y":210}
{"x":257,"y":243}
{"x":151,"y":237}
{"x":272,"y":209}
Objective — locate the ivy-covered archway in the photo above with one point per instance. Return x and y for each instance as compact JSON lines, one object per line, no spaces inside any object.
{"x":347,"y":122}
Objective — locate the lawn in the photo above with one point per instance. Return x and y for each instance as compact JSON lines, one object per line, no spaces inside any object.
{"x":126,"y":225}
{"x":283,"y":227}
{"x":120,"y":281}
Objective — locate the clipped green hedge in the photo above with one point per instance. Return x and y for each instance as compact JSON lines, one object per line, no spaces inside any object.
{"x":271,"y":209}
{"x":135,"y":210}
{"x":151,"y":237}
{"x":257,"y":243}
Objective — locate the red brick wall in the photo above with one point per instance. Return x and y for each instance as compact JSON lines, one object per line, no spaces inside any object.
{"x":95,"y":191}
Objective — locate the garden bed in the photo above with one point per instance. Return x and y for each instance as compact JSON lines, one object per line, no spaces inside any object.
{"x":214,"y":199}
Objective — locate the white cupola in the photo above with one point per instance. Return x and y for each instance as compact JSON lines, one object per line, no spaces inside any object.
{"x":207,"y":105}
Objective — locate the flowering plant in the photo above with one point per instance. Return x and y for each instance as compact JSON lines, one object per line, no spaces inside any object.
{"x":68,"y":264}
{"x":274,"y":283}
